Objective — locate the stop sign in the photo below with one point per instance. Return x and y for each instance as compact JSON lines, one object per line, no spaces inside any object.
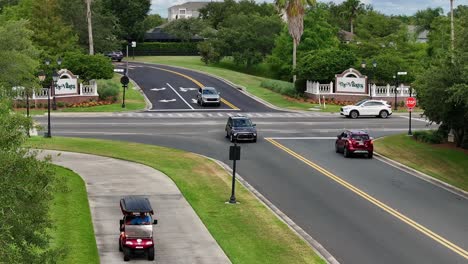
{"x":410,"y":102}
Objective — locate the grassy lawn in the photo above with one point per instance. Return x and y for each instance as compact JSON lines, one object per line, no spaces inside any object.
{"x":134,"y":100}
{"x":446,"y":164}
{"x":72,"y":219}
{"x":206,"y":187}
{"x":228,"y":71}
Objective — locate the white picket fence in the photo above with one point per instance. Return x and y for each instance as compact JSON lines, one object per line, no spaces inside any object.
{"x":42,"y":93}
{"x":376,"y":91}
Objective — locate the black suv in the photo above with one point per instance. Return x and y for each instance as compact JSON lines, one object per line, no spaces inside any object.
{"x":241,"y":128}
{"x":115,"y":55}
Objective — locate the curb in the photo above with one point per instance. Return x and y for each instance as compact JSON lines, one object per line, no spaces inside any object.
{"x":149,"y":105}
{"x":422,"y":176}
{"x":314,"y":244}
{"x":241,"y":88}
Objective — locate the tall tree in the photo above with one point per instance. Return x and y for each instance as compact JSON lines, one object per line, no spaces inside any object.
{"x":424,"y":18}
{"x":90,"y":26}
{"x":51,"y":34}
{"x":17,"y":47}
{"x":185,"y":29}
{"x":294,"y":10}
{"x":131,"y":16}
{"x":351,"y":10}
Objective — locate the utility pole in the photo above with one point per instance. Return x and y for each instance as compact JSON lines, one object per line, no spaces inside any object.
{"x":90,"y":27}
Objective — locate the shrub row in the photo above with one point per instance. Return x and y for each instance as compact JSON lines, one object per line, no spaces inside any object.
{"x":165,"y":48}
{"x":108,"y":90}
{"x":431,"y":136}
{"x":281,"y":87}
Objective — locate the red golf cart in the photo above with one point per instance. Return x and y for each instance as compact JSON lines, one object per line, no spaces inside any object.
{"x":136,"y":227}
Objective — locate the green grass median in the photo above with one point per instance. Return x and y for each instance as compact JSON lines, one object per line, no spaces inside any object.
{"x":248,"y":232}
{"x":71,"y":217}
{"x":446,"y":164}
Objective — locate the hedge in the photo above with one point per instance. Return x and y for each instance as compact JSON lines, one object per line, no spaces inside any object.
{"x":164,"y":48}
{"x":281,"y":87}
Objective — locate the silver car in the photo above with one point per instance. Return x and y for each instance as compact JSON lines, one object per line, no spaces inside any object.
{"x":208,"y":95}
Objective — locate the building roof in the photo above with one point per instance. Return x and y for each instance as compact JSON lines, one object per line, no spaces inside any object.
{"x":345,"y":35}
{"x":191,"y":5}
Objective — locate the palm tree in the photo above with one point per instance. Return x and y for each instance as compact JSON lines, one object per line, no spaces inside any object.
{"x":352,"y":8}
{"x":90,"y":27}
{"x":294,"y":10}
{"x":452,"y":32}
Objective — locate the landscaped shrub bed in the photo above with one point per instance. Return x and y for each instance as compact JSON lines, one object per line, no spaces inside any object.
{"x":281,"y":87}
{"x":431,"y":136}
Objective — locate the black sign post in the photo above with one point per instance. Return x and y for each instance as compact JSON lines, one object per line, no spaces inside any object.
{"x":124,"y":81}
{"x":234,"y":154}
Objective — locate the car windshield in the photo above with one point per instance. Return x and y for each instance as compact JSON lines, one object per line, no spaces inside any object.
{"x":209,"y":91}
{"x":360,"y":102}
{"x":242,"y":123}
{"x":360,"y":137}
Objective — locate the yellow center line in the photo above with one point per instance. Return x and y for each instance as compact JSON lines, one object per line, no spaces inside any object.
{"x":197,"y":83}
{"x":376,"y":202}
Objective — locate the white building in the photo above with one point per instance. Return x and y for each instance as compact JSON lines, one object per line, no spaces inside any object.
{"x":187,"y":10}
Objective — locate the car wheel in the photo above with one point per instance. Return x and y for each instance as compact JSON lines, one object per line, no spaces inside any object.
{"x":254,"y":140}
{"x":120,"y":246}
{"x":126,"y":252}
{"x":354,"y":114}
{"x":370,"y":155}
{"x":151,"y":253}
{"x":383,"y":114}
{"x":119,"y":60}
{"x":337,"y":150}
{"x":346,"y":153}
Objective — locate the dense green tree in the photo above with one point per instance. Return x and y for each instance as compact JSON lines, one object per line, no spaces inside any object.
{"x":131,"y":16}
{"x":217,"y":12}
{"x":248,"y":38}
{"x":423,"y":18}
{"x":442,"y":87}
{"x":152,"y":21}
{"x":88,"y":67}
{"x":5,"y":3}
{"x":26,"y":194}
{"x":18,"y":56}
{"x":322,"y":65}
{"x":185,"y":29}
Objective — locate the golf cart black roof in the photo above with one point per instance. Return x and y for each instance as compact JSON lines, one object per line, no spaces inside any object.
{"x":135,"y":204}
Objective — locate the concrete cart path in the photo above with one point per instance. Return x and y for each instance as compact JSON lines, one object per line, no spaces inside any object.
{"x":180,"y":235}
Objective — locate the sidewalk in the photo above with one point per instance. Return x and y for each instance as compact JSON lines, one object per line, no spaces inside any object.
{"x":180,"y":236}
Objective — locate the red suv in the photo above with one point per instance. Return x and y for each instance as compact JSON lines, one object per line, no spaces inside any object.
{"x":354,"y":142}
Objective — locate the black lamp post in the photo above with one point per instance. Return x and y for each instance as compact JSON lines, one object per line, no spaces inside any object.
{"x":55,"y":77}
{"x":363,"y":66}
{"x":395,"y":78}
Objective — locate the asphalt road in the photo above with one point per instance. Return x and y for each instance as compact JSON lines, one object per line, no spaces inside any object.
{"x":174,"y":89}
{"x":360,"y":210}
{"x":351,"y":228}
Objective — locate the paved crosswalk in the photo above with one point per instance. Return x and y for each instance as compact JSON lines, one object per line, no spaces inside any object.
{"x":211,"y":115}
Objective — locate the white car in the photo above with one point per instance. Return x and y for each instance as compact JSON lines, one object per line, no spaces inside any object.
{"x":367,"y":107}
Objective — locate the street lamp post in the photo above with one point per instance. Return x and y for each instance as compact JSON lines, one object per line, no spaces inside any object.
{"x":395,"y":91}
{"x":363,"y":66}
{"x":374,"y":64}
